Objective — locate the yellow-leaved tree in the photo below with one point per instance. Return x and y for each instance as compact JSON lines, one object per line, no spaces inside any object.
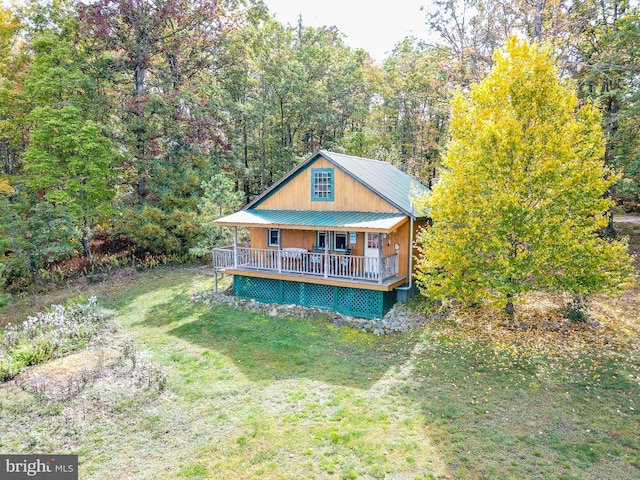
{"x":520,"y":201}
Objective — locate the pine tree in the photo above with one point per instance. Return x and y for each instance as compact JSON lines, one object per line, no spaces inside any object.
{"x":219,"y":199}
{"x":520,"y":201}
{"x":50,"y":236}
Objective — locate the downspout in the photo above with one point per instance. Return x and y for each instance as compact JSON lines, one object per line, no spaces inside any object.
{"x":410,"y":256}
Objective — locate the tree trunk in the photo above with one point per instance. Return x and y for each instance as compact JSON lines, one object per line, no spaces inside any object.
{"x":247,"y":186}
{"x":138,"y":76}
{"x":142,"y":192}
{"x":36,"y":272}
{"x":579,"y":302}
{"x":537,"y":22}
{"x":509,"y":308}
{"x":140,"y":130}
{"x":6,"y":165}
{"x":610,"y":230}
{"x":611,"y":130}
{"x":86,"y":247}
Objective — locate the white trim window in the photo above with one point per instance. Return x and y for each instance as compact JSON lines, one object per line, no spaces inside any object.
{"x":273,"y":238}
{"x":340,"y":241}
{"x":322,"y":184}
{"x":321,"y":240}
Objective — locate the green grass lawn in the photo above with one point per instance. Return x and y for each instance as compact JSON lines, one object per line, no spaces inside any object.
{"x":248,"y":396}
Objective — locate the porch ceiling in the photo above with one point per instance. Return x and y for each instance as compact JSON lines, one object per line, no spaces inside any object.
{"x":315,"y":220}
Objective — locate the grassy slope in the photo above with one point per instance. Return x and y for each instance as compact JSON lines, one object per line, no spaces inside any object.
{"x":253,"y":397}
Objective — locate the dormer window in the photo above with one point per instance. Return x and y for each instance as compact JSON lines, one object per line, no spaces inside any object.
{"x":322,"y":184}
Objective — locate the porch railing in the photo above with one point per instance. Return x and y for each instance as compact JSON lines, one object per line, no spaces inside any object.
{"x":222,"y":257}
{"x":303,"y":262}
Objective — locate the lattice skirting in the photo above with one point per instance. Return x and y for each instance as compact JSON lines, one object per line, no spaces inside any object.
{"x":351,"y":301}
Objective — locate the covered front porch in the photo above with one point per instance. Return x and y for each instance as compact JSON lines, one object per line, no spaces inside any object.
{"x":367,"y":248}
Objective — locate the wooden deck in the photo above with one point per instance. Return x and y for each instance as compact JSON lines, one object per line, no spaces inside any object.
{"x":387,"y":285}
{"x":298,"y":264}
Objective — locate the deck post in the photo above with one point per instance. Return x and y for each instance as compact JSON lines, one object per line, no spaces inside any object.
{"x":215,"y":268}
{"x":279,"y":259}
{"x":380,"y":247}
{"x":327,"y":239}
{"x":235,"y":247}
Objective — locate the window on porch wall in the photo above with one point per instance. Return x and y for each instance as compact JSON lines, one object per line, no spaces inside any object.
{"x":274,"y":237}
{"x":339,"y":241}
{"x":321,"y":240}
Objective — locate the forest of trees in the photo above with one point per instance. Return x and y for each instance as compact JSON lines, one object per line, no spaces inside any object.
{"x":127,"y":125}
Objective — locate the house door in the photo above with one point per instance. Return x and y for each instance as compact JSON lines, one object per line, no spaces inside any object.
{"x":371,"y":253}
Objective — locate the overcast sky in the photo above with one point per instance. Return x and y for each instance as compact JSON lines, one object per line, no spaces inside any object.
{"x":374,"y":26}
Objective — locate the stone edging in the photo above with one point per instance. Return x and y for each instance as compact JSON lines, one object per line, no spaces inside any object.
{"x":399,"y":319}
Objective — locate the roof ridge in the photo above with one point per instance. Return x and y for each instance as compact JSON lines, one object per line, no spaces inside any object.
{"x":359,"y":158}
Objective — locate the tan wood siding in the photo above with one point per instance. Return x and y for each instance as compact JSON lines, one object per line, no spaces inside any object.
{"x":258,"y":237}
{"x":298,"y":239}
{"x":401,"y":237}
{"x":301,"y":239}
{"x":349,"y":195}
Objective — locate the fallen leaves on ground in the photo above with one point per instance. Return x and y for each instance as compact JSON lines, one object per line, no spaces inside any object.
{"x":540,"y":340}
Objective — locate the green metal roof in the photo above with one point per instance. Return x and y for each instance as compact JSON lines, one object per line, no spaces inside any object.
{"x":329,"y":219}
{"x":382,"y":178}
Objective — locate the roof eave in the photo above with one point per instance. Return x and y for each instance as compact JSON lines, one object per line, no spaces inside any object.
{"x":316,"y":227}
{"x":260,"y":223}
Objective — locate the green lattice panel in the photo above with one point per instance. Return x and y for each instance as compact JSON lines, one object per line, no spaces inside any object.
{"x":262,"y":289}
{"x":351,"y":301}
{"x":320,"y":296}
{"x":359,"y":302}
{"x":291,"y":292}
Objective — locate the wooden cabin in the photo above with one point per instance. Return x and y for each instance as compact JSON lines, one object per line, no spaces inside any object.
{"x":336,"y":232}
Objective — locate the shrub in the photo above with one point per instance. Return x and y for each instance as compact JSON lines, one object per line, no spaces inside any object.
{"x":576,"y":310}
{"x":56,"y":332}
{"x":156,"y":231}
